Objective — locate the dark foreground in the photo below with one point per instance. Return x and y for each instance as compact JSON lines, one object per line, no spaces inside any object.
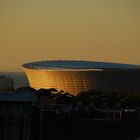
{"x":88,"y":129}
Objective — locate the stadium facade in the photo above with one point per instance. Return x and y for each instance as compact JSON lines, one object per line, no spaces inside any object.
{"x":78,"y":76}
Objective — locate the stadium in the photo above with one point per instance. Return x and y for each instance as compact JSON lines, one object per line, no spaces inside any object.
{"x":78,"y":76}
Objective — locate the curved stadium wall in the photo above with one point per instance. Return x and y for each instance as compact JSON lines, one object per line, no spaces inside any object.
{"x":75,"y":81}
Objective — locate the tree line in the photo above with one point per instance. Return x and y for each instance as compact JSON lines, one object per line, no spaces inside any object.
{"x":99,"y":99}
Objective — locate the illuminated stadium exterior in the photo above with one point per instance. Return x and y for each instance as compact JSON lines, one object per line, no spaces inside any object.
{"x":78,"y":76}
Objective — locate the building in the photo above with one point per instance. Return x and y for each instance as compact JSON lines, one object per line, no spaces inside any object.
{"x":16,"y":115}
{"x":6,"y":83}
{"x":79,"y":76}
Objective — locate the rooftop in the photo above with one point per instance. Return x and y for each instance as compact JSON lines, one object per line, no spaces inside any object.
{"x":17,"y":97}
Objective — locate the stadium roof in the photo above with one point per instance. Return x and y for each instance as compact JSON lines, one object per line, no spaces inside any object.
{"x":72,"y":64}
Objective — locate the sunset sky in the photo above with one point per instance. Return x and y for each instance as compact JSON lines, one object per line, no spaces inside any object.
{"x":100,"y":30}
